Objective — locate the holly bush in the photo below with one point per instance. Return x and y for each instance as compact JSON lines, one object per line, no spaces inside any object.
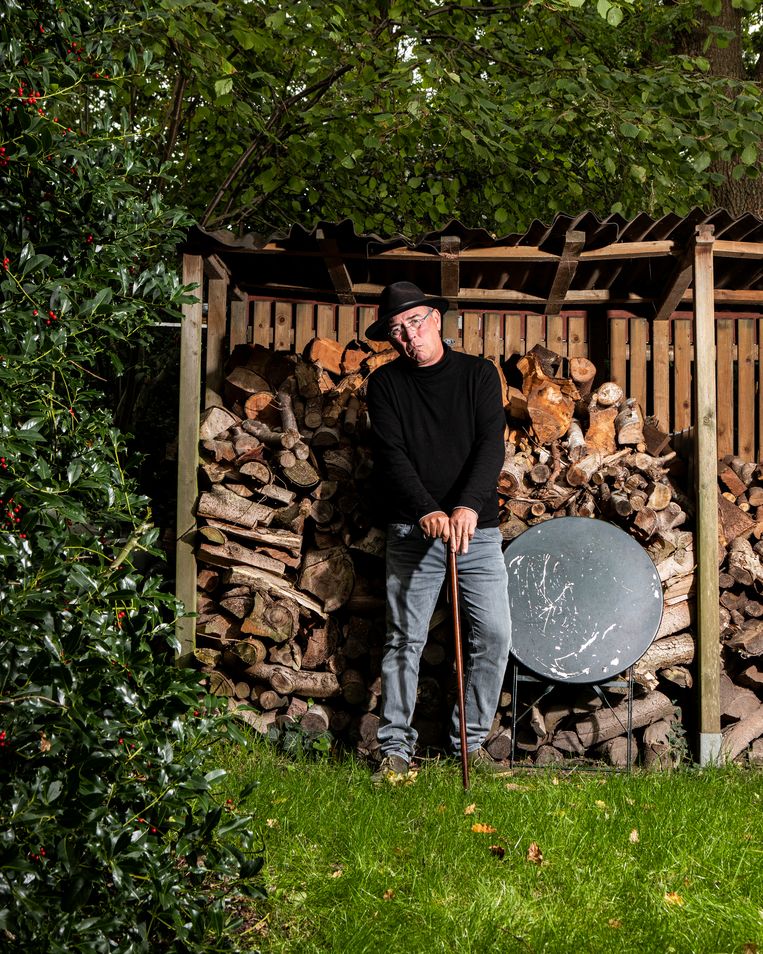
{"x":112,"y":834}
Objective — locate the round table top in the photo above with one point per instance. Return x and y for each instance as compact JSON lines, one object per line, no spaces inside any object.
{"x":586,"y":599}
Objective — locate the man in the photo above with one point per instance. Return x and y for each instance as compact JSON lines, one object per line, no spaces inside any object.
{"x":438,"y":424}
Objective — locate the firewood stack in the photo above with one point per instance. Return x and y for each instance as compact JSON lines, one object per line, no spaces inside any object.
{"x":291,"y":579}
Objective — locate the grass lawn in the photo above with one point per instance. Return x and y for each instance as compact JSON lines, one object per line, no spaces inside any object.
{"x":669,"y":863}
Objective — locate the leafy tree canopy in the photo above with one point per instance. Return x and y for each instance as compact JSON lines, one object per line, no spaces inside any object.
{"x":403,"y":113}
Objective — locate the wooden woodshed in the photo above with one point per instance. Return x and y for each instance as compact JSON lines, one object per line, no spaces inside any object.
{"x":671,"y":308}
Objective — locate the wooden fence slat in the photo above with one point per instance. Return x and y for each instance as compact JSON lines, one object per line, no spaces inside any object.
{"x":759,"y":453}
{"x":682,"y":383}
{"x":746,"y":388}
{"x":555,"y":334}
{"x":217,"y":308}
{"x":239,"y":319}
{"x":263,"y":331}
{"x":472,"y":332}
{"x":512,"y":334}
{"x":618,"y":335}
{"x":304,"y":330}
{"x":366,"y":317}
{"x":283,"y":322}
{"x":577,"y":345}
{"x":660,"y":374}
{"x":724,"y":339}
{"x":325,"y":325}
{"x":346,"y":324}
{"x":493,"y":324}
{"x":637,"y":377}
{"x":450,"y":330}
{"x":536,"y":331}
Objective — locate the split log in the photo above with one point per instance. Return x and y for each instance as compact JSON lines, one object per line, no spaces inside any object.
{"x":736,"y":739}
{"x":582,"y":372}
{"x":319,"y":685}
{"x":329,"y":575}
{"x":656,"y":746}
{"x":629,"y":423}
{"x":223,"y":504}
{"x":748,"y":640}
{"x":608,"y":723}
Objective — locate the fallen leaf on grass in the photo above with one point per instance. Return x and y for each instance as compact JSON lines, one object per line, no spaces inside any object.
{"x":673,"y":897}
{"x":470,"y":809}
{"x":498,"y":850}
{"x":615,"y":923}
{"x":337,"y":873}
{"x":441,"y":809}
{"x":388,"y":894}
{"x":482,"y":829}
{"x":514,"y":787}
{"x":600,"y":804}
{"x":633,"y":837}
{"x":272,"y":823}
{"x":534,"y":854}
{"x":750,"y":948}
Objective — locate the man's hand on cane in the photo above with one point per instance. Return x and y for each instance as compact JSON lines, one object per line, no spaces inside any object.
{"x":457,"y":530}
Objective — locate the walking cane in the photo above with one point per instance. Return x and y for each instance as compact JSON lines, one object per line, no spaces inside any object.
{"x":459,"y":665}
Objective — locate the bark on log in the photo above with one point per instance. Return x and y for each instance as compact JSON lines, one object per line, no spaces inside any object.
{"x":319,"y":685}
{"x":738,"y":737}
{"x":608,"y":723}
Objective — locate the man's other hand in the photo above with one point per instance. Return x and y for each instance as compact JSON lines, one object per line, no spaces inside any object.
{"x":463,"y":523}
{"x":436,"y":524}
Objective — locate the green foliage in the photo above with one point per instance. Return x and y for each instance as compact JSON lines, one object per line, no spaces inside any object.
{"x":114,"y":837}
{"x":401,"y":115}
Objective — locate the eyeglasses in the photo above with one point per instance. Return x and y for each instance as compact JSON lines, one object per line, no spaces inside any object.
{"x":410,"y":325}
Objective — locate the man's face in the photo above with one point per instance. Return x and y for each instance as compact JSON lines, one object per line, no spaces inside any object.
{"x":422,"y":344}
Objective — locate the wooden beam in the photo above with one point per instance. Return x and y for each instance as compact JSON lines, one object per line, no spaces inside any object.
{"x":450,"y":246}
{"x":239,"y":318}
{"x":217,"y":315}
{"x":565,"y":271}
{"x":340,"y":276}
{"x":706,"y":471}
{"x":628,"y":250}
{"x":188,"y":440}
{"x":725,"y":249}
{"x":215,"y":268}
{"x":678,"y":283}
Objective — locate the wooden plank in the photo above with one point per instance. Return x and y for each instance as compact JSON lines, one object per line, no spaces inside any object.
{"x":577,"y":344}
{"x":325,"y":325}
{"x":724,"y":332}
{"x":535,"y":331}
{"x":676,"y":286}
{"x":746,"y":388}
{"x":637,"y":363}
{"x":450,"y":329}
{"x":661,"y":373}
{"x":725,"y":249}
{"x":263,"y":326}
{"x":282,"y":330}
{"x":705,"y":468}
{"x":512,"y":334}
{"x":304,"y":329}
{"x":337,"y":269}
{"x":346,"y":331}
{"x":493,"y":337}
{"x":472,"y":332}
{"x":366,"y":317}
{"x":217,"y":308}
{"x":681,"y":374}
{"x":565,"y":271}
{"x":759,"y":454}
{"x":239,"y":318}
{"x":618,"y":339}
{"x":188,"y":439}
{"x":555,"y":334}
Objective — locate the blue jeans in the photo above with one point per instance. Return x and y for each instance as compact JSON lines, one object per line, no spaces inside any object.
{"x":416,"y":568}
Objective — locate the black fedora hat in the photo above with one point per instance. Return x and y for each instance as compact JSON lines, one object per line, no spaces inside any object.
{"x":399,"y":297}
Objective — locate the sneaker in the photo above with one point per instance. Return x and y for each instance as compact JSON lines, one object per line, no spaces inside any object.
{"x":481,"y":762}
{"x":392,"y":769}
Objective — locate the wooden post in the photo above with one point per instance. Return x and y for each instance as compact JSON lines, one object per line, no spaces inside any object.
{"x":188,"y":439}
{"x":706,"y":470}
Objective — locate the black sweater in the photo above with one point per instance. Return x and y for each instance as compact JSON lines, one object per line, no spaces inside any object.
{"x":438,"y":437}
